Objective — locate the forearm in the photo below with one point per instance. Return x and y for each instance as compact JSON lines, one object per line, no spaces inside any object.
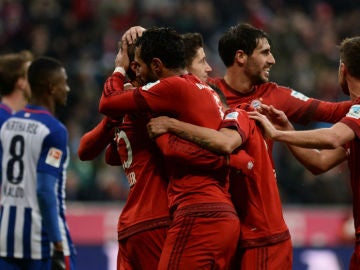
{"x":112,"y":156}
{"x":319,"y":138}
{"x":48,"y":206}
{"x":207,"y":138}
{"x":116,"y":101}
{"x":318,"y":161}
{"x":94,"y":142}
{"x":185,"y":152}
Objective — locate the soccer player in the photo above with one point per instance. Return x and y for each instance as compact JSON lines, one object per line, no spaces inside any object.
{"x":264,"y":238}
{"x":14,"y":87}
{"x":33,"y":230}
{"x":145,"y":218}
{"x":198,"y":202}
{"x":246,"y":54}
{"x":142,"y":167}
{"x":195,"y":57}
{"x":339,"y":142}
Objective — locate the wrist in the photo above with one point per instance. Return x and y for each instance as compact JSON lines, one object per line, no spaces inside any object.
{"x":172,"y":125}
{"x":58,"y":246}
{"x":121,"y":70}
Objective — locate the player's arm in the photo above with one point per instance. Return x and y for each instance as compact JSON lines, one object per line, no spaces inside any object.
{"x":115,"y":100}
{"x":46,"y":184}
{"x":330,"y":112}
{"x":316,"y":161}
{"x":223,"y":141}
{"x":179,"y":150}
{"x":323,"y":138}
{"x":112,"y":156}
{"x":94,"y":142}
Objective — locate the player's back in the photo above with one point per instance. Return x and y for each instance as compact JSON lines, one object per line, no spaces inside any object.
{"x":26,"y":145}
{"x":254,"y":191}
{"x":190,"y":100}
{"x":256,"y":197}
{"x":146,"y":205}
{"x":183,"y":97}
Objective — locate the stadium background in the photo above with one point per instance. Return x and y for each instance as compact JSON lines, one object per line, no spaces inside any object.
{"x":83,"y":34}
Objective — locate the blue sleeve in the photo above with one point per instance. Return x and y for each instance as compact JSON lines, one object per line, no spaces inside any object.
{"x":46,"y":194}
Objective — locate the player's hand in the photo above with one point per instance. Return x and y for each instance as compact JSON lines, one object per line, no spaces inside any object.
{"x":276,"y":117}
{"x":132,"y":34}
{"x":58,"y":261}
{"x":158,"y":125}
{"x":268,"y":128}
{"x":122,"y":57}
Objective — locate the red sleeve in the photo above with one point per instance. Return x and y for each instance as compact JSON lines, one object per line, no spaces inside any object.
{"x":301,"y":109}
{"x":116,"y":101}
{"x":185,"y":152}
{"x":352,"y":119}
{"x":112,"y":156}
{"x":331,"y":112}
{"x":237,"y":119}
{"x":94,"y":142}
{"x":163,"y":96}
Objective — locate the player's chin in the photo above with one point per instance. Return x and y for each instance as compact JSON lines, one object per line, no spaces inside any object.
{"x":265,"y":78}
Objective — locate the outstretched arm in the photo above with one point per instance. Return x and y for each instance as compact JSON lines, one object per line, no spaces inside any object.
{"x":317,"y":161}
{"x":94,"y":142}
{"x":324,"y":138}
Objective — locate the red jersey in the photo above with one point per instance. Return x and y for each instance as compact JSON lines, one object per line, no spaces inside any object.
{"x":187,"y":99}
{"x":137,"y":154}
{"x":94,"y":142}
{"x":297,"y":107}
{"x":352,"y":119}
{"x":255,"y":195}
{"x":146,"y":206}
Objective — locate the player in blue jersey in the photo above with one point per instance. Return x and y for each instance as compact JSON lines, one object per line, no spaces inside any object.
{"x":14,"y":87}
{"x":33,"y":230}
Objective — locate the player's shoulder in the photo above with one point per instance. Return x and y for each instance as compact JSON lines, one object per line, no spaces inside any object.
{"x":43,"y":117}
{"x":271,"y":85}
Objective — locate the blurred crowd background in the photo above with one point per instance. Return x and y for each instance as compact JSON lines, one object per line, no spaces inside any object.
{"x":83,"y":34}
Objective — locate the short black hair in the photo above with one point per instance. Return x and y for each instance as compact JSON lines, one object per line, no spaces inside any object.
{"x":192,"y":42}
{"x":163,"y":43}
{"x":242,"y":36}
{"x":41,"y":73}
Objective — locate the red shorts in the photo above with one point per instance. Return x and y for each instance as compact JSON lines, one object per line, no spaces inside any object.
{"x":201,"y":241}
{"x":273,"y":257}
{"x":142,"y":250}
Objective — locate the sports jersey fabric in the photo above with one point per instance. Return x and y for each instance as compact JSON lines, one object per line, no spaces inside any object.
{"x":33,"y":141}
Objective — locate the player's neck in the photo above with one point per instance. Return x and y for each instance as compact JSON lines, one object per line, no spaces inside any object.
{"x":15,"y":101}
{"x":238,"y":82}
{"x":173,"y":72}
{"x":45,"y":102}
{"x":354,"y":87}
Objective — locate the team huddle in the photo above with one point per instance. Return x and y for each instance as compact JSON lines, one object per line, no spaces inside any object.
{"x":197,"y":152}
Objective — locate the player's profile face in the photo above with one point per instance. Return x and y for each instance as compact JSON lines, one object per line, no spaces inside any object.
{"x":144,"y":71}
{"x":61,"y":87}
{"x":199,"y":66}
{"x":259,"y":62}
{"x":342,"y":81}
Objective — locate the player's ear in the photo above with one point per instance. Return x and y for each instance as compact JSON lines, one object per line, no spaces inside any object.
{"x":240,"y":56}
{"x":156,"y":65}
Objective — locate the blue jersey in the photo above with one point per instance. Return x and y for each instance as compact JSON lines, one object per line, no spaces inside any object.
{"x":33,"y":141}
{"x":5,"y":113}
